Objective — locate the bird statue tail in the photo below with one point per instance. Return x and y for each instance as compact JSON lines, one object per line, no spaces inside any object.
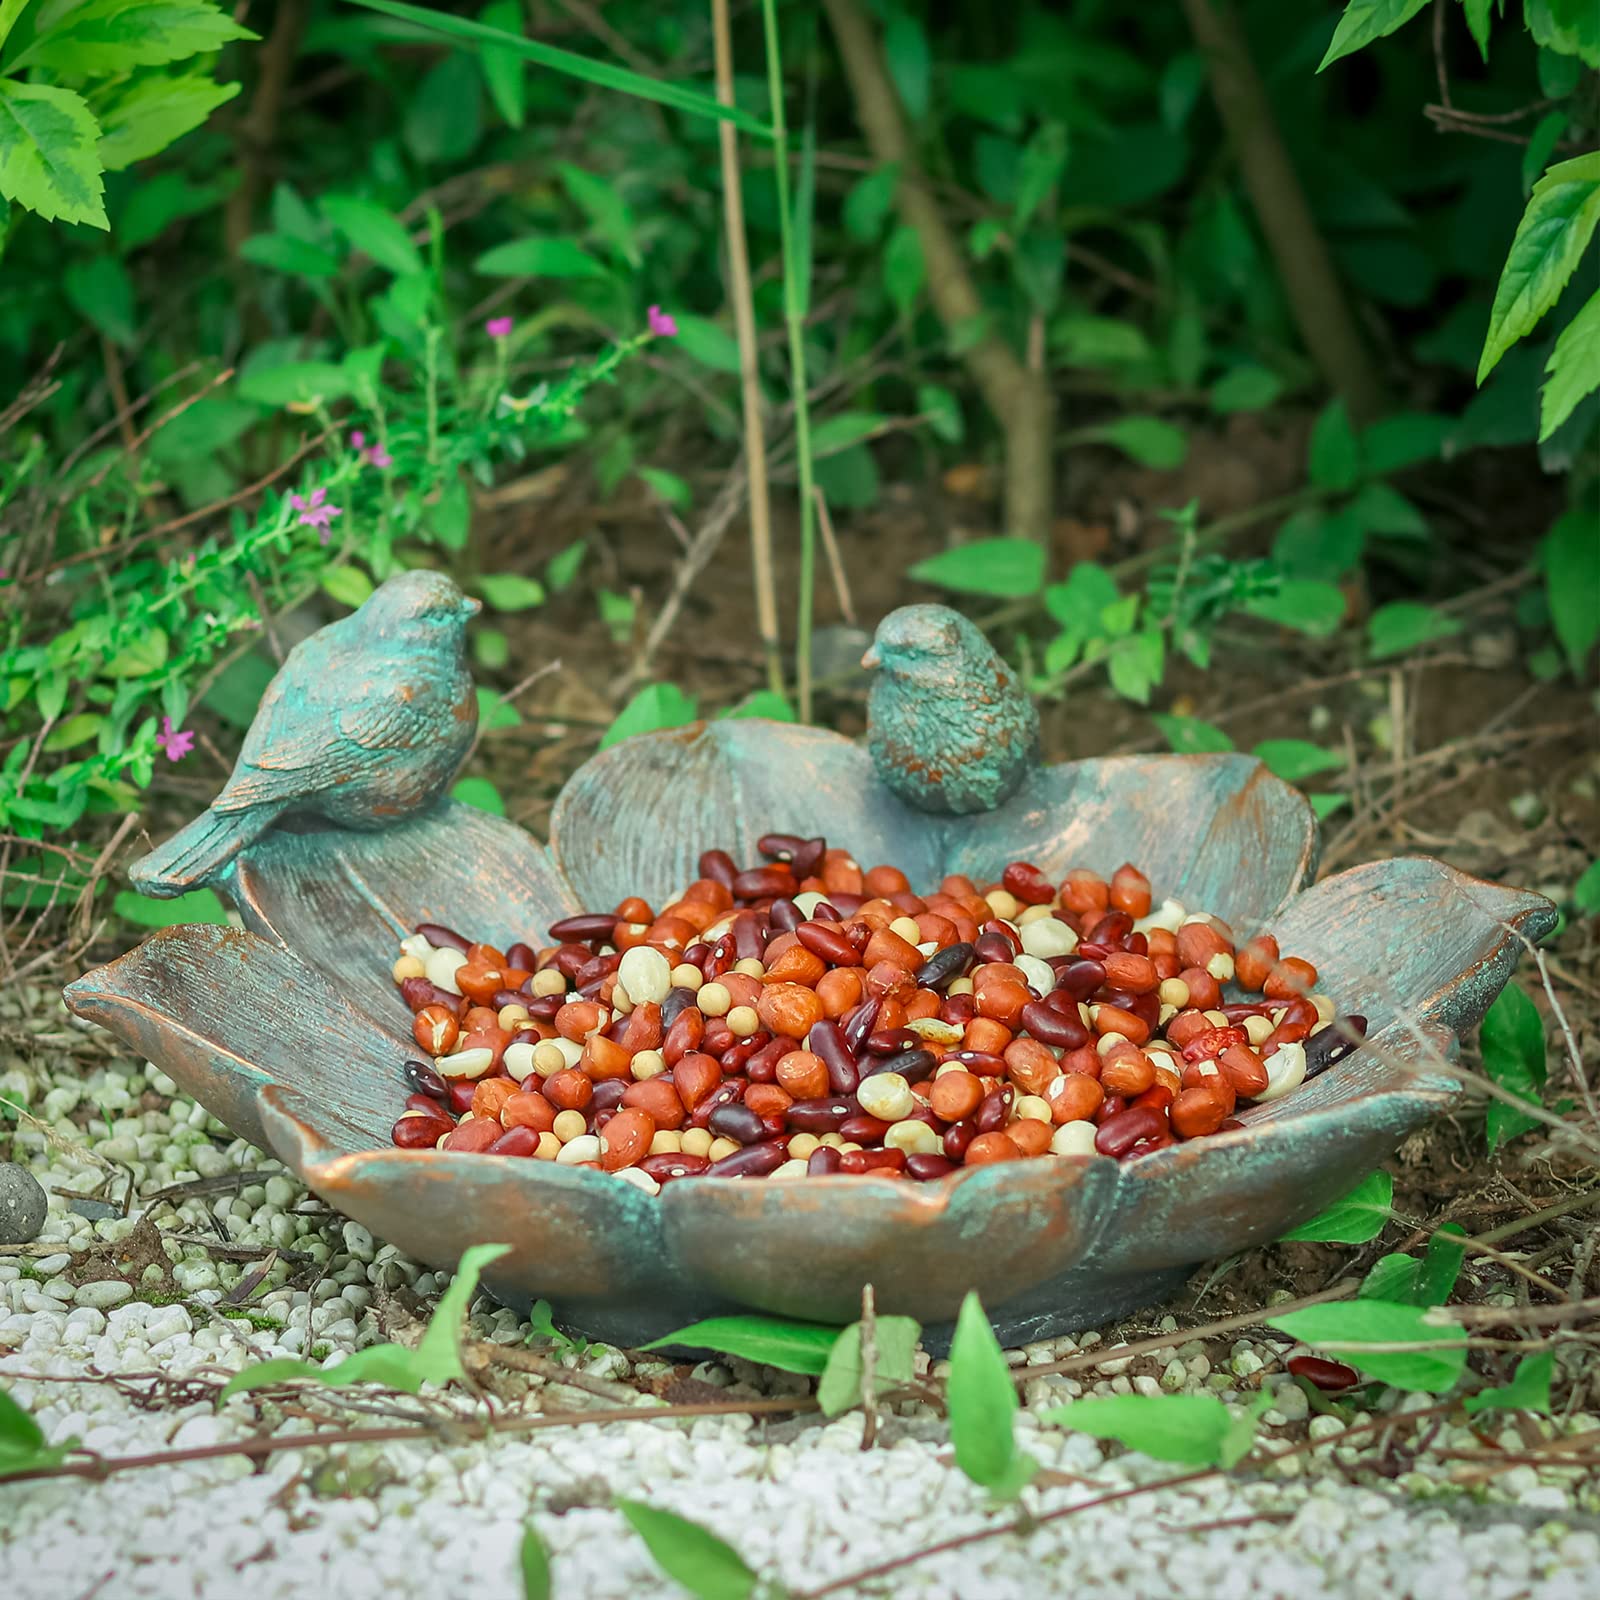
{"x":198,"y":852}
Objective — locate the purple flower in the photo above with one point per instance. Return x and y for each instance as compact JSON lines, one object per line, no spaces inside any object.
{"x":499,"y":327}
{"x":176,"y":742}
{"x":662,"y":323}
{"x":373,"y":454}
{"x":315,"y":512}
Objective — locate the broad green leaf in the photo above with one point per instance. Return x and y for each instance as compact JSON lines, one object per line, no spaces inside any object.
{"x":199,"y":905}
{"x":1245,"y":388}
{"x":793,"y":1346}
{"x":49,"y":161}
{"x":839,"y":432}
{"x":1294,"y":759}
{"x":1557,"y":225}
{"x":601,"y":202}
{"x":1009,"y":568}
{"x":154,"y":111}
{"x":74,"y":731}
{"x":1335,"y":458}
{"x":101,"y":293}
{"x":293,"y":382}
{"x":708,"y":1567}
{"x":905,"y":47}
{"x":1404,"y":625}
{"x":1353,"y":1328}
{"x":538,"y":258}
{"x":481,"y":793}
{"x":1189,"y":735}
{"x":1318,"y":545}
{"x":1326,"y":804}
{"x":1512,"y":1044}
{"x":982,"y":1402}
{"x":503,"y":69}
{"x":373,"y":232}
{"x":763,"y":703}
{"x":1081,"y":601}
{"x":1148,"y":440}
{"x":1098,"y":342}
{"x":494,"y":711}
{"x":158,"y":202}
{"x":903,"y":269}
{"x":895,"y":1341}
{"x":1573,"y":368}
{"x":350,"y":586}
{"x":603,"y":74}
{"x":667,"y":486}
{"x":1044,"y":159}
{"x":109,"y":36}
{"x":708,"y":343}
{"x":1196,"y":1430}
{"x":1541,"y":145}
{"x":511,"y":591}
{"x":1586,"y":891}
{"x":534,"y":1559}
{"x":1406,"y":439}
{"x":1529,"y":1389}
{"x":1567,"y":27}
{"x":143,"y":656}
{"x":443,"y":115}
{"x":942,"y":412}
{"x":564,"y":564}
{"x":1385,"y":511}
{"x":1135,"y":664}
{"x":1366,"y":20}
{"x":657,"y":705}
{"x":1428,"y":1282}
{"x":1307,"y":605}
{"x":1572,"y":585}
{"x":1356,"y":1218}
{"x":296,"y":258}
{"x":869,"y":202}
{"x":22,"y":1445}
{"x":1478,"y":23}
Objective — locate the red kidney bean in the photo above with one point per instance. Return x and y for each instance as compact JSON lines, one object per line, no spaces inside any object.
{"x":473,"y":1137}
{"x":943,"y":967}
{"x":779,"y":846}
{"x":461,"y":1092}
{"x":926,"y":1165}
{"x":958,"y":1009}
{"x":749,"y":936}
{"x":809,"y":857}
{"x":592,"y":971}
{"x":1330,"y":1376}
{"x":677,"y":1002}
{"x":863,"y":1128}
{"x":785,"y":915}
{"x":994,"y":1110}
{"x":425,"y":1080}
{"x":424,"y":1103}
{"x":737,"y":1056}
{"x":1330,"y":1045}
{"x":822,"y":1161}
{"x":762,"y":1067}
{"x":543,"y":1007}
{"x":418,"y":992}
{"x":958,"y":1136}
{"x":763,"y":883}
{"x":978,"y":1061}
{"x":729,"y":1092}
{"x":827,"y":1115}
{"x":1079,"y":978}
{"x":442,"y":938}
{"x":521,"y":957}
{"x":1027,"y":883}
{"x":420,"y":1133}
{"x":855,"y":1162}
{"x":993,"y":947}
{"x":912,"y":1065}
{"x":1111,"y":929}
{"x":589,"y":927}
{"x":719,"y":866}
{"x":859,"y":1025}
{"x":754,"y":1161}
{"x":736,"y":1122}
{"x":1063,"y":1029}
{"x":569,"y":959}
{"x":1237,"y":1011}
{"x":1119,"y":1133}
{"x":891,"y":1041}
{"x":719,"y":1037}
{"x":608,"y":1094}
{"x":828,"y":943}
{"x":826,"y":911}
{"x":515,"y":1142}
{"x":674,"y":1164}
{"x":826,"y":1041}
{"x":846,"y":905}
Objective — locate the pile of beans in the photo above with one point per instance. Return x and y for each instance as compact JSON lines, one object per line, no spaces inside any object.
{"x":806,"y":1017}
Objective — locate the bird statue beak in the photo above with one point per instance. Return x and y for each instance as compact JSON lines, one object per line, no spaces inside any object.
{"x":871,"y":659}
{"x":470,"y":607}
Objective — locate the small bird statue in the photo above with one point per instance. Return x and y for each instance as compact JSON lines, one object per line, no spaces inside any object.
{"x":366,"y":722}
{"x":949,"y":727}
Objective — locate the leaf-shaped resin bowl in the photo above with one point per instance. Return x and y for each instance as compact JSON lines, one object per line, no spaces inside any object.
{"x":293,"y":1033}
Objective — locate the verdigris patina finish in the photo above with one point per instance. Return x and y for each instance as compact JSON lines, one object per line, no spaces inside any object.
{"x":292,"y":1032}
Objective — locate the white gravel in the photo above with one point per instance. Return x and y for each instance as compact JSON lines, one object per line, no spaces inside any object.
{"x":801,"y":1500}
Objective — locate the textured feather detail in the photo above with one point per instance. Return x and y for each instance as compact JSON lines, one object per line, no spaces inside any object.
{"x":199,"y":851}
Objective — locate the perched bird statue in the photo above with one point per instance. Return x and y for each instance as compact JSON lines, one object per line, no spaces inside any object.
{"x":949,"y":727}
{"x":367,"y":721}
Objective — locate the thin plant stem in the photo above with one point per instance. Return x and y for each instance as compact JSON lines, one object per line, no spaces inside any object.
{"x":794,"y":316}
{"x":744,"y":322}
{"x":432,"y":353}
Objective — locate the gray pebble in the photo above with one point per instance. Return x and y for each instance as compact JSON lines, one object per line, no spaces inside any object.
{"x":23,"y":1205}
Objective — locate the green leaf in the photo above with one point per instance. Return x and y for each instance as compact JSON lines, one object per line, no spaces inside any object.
{"x":1335,"y":458}
{"x":502,"y":69}
{"x":1356,"y":1218}
{"x":793,"y":1346}
{"x":895,"y":1341}
{"x":905,"y":47}
{"x":763,"y":703}
{"x":1353,"y":1328}
{"x":1148,"y":440}
{"x":1008,"y":568}
{"x":145,"y":655}
{"x":296,"y":258}
{"x":292,"y":382}
{"x":1512,"y":1044}
{"x":869,"y":202}
{"x":903,"y":269}
{"x":443,"y":119}
{"x":1081,"y":601}
{"x":1196,"y":1430}
{"x":601,"y":202}
{"x":705,"y":1565}
{"x":1404,"y":625}
{"x":667,"y":486}
{"x":1386,"y":512}
{"x":1586,"y":891}
{"x":662,"y":91}
{"x":74,"y":731}
{"x":708,"y":343}
{"x":199,"y":905}
{"x":102,"y":294}
{"x":1572,"y":585}
{"x":1294,"y":759}
{"x":1556,"y":226}
{"x":942,"y":411}
{"x":437,"y":1358}
{"x":108,"y":37}
{"x":1245,"y":388}
{"x":537,"y":258}
{"x":1136,"y":663}
{"x":1573,"y":369}
{"x":48,"y":157}
{"x":495,"y":711}
{"x":22,"y":1446}
{"x":153,"y":112}
{"x":1324,"y":805}
{"x":510,"y":591}
{"x":534,"y":1559}
{"x":1098,"y":342}
{"x":982,"y":1401}
{"x":1366,"y":20}
{"x":1404,"y":1279}
{"x":1189,"y":735}
{"x":1529,"y":1389}
{"x":839,"y":432}
{"x":1478,"y":23}
{"x":564,"y":564}
{"x":1564,"y":27}
{"x":1044,"y":159}
{"x":481,"y":793}
{"x":350,"y":586}
{"x":158,"y":202}
{"x":1305,"y":604}
{"x":1404,"y":440}
{"x":373,"y":232}
{"x":657,"y":705}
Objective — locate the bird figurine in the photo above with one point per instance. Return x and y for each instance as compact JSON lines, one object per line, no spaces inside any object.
{"x":366,"y":722}
{"x":949,"y":727}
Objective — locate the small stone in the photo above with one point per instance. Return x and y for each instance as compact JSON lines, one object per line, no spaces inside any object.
{"x":105,"y":1293}
{"x":23,"y":1205}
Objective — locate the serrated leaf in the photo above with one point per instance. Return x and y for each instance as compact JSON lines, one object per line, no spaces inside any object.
{"x":1366,"y":20}
{"x":708,"y":1567}
{"x":511,"y":591}
{"x":1044,"y":159}
{"x":1512,"y":1044}
{"x":1529,"y":1389}
{"x":1573,"y":370}
{"x":1294,"y":759}
{"x":1008,"y":568}
{"x":895,"y":1341}
{"x":373,"y":232}
{"x":1405,"y":625}
{"x":502,"y":68}
{"x":773,"y":1341}
{"x":153,"y":112}
{"x":533,"y":1558}
{"x":1193,"y":1429}
{"x":199,"y":905}
{"x":49,"y":157}
{"x":981,"y":1401}
{"x":657,"y":705}
{"x":538,"y":258}
{"x":1556,"y":226}
{"x":1189,"y":735}
{"x":110,"y":36}
{"x":1352,"y":1329}
{"x":1335,"y":457}
{"x":1406,"y":439}
{"x":1359,"y":1216}
{"x":1572,"y":585}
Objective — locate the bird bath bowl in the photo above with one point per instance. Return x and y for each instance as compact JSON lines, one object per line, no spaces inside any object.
{"x":292,"y":1033}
